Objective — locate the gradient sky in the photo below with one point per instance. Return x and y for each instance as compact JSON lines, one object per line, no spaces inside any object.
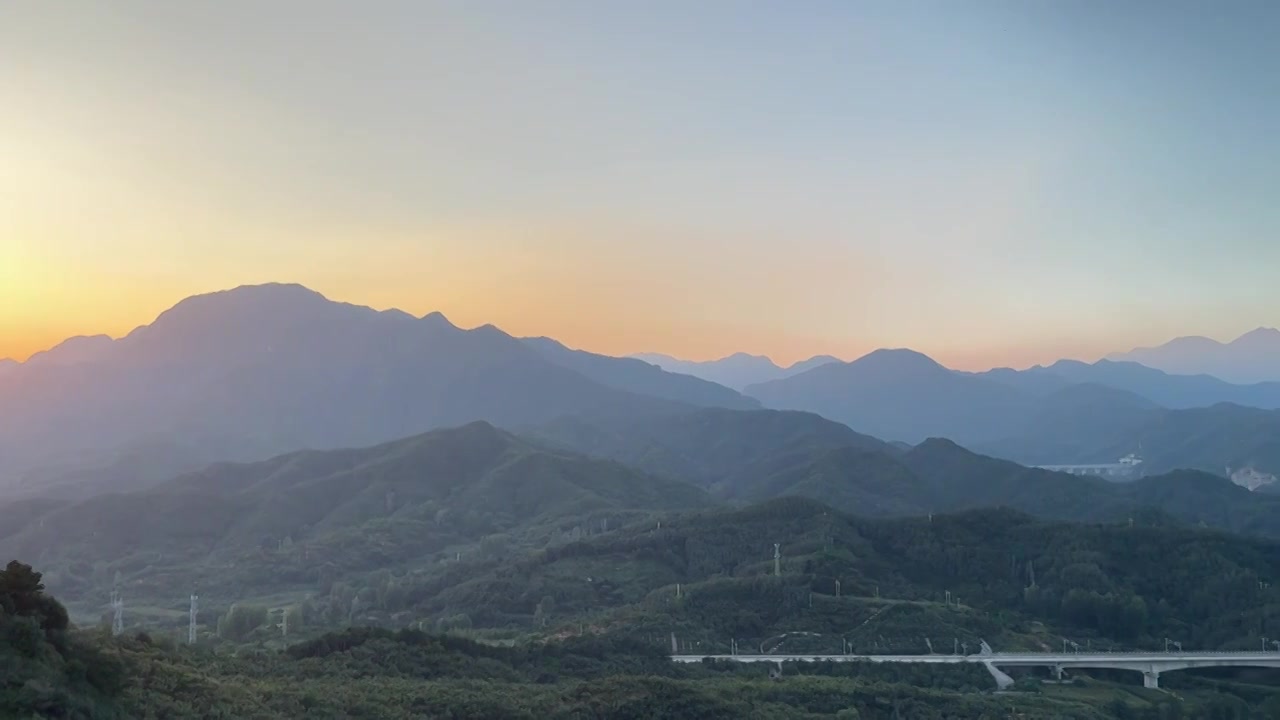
{"x":993,"y":182}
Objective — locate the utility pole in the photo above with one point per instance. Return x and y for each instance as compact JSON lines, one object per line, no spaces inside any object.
{"x":777,"y":560}
{"x":191,"y":620}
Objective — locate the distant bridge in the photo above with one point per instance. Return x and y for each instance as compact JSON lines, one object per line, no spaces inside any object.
{"x":1150,"y":664}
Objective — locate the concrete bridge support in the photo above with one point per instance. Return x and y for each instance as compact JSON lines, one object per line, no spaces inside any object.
{"x":1151,"y":679}
{"x":1003,"y":681}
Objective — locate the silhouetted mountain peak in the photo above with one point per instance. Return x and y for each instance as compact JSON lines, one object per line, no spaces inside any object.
{"x":898,"y":360}
{"x":437,"y":320}
{"x":811,"y":363}
{"x":1251,"y":358}
{"x":1191,"y":342}
{"x":941,"y":445}
{"x":747,"y":359}
{"x":1266,"y":336}
{"x":1067,"y":364}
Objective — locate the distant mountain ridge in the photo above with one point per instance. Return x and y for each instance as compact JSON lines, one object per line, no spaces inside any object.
{"x":1251,"y":358}
{"x":1166,"y":389}
{"x":1067,"y":413}
{"x":901,"y":395}
{"x":641,"y":377}
{"x":736,"y":371}
{"x":754,"y":456}
{"x":247,"y":373}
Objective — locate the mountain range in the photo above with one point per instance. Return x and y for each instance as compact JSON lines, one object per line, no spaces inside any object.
{"x":758,"y":455}
{"x":255,"y":371}
{"x":1067,"y":413}
{"x":1252,"y":357}
{"x":304,"y":519}
{"x":737,"y":371}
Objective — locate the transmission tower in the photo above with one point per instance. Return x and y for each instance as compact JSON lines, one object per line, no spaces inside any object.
{"x":191,"y":620}
{"x":117,"y":618}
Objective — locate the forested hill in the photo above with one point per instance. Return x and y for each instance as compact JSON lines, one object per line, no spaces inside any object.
{"x":711,"y":447}
{"x":710,"y":577}
{"x":751,"y":456}
{"x":333,"y":512}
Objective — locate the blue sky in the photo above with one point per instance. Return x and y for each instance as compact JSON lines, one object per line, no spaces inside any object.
{"x":994,"y":183}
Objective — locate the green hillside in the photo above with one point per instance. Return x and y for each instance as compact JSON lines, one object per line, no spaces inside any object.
{"x":748,"y":457}
{"x":303,"y":518}
{"x":714,"y":448}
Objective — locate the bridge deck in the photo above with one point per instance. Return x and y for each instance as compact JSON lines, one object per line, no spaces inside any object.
{"x":1015,"y":659}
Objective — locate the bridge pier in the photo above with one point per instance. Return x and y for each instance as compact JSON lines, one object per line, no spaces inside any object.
{"x":1003,"y":681}
{"x":1151,"y":679}
{"x":1057,"y":673}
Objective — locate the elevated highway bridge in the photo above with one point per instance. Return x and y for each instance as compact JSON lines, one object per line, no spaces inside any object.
{"x":1150,"y":664}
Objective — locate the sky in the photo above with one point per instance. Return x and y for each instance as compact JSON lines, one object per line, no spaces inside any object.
{"x":992,"y":182}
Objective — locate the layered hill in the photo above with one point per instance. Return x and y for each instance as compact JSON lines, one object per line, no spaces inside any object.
{"x":256,"y":371}
{"x":1242,"y":443}
{"x":737,"y":371}
{"x":1067,"y":413}
{"x":640,"y":377}
{"x":746,"y":457}
{"x":901,"y":395}
{"x":1251,"y":358}
{"x":334,"y":512}
{"x":1161,"y":388}
{"x":717,"y":449}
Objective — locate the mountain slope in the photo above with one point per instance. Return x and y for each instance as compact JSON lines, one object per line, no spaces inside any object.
{"x":950,"y":478}
{"x":736,"y":371}
{"x":1251,"y":358}
{"x":895,"y":577}
{"x":255,"y":371}
{"x":640,"y":377}
{"x":1171,"y":391}
{"x":395,"y":503}
{"x":1224,"y":439}
{"x":719,"y":449}
{"x":900,"y":395}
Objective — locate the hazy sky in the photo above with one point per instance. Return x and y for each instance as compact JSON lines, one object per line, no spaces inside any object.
{"x":992,"y":182}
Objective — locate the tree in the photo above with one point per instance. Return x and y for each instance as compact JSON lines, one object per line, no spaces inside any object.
{"x":22,"y":593}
